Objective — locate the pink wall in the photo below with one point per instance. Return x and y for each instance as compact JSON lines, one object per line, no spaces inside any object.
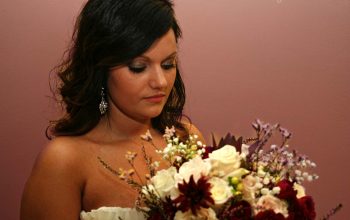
{"x":282,"y":61}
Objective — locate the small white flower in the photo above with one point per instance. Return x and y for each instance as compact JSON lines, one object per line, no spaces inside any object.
{"x":266,"y":180}
{"x":258,"y":185}
{"x":147,"y":136}
{"x":298,"y":172}
{"x":169,"y":132}
{"x":200,"y":152}
{"x":265,"y":191}
{"x":276,"y":190}
{"x":305,"y":174}
{"x":182,"y":145}
{"x":156,"y":164}
{"x":310,"y":178}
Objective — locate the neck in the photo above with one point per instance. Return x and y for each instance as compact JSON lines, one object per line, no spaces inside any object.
{"x":119,"y":126}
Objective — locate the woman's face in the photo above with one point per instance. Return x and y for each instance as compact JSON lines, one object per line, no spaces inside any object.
{"x":139,"y":90}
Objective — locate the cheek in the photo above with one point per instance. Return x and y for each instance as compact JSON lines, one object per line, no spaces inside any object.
{"x":126,"y":91}
{"x":117,"y":89}
{"x":171,"y":79}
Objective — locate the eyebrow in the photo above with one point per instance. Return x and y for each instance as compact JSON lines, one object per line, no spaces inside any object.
{"x":172,"y":55}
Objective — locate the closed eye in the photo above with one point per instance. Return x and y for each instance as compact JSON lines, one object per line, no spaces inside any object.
{"x":168,"y":66}
{"x":170,"y":63}
{"x":137,"y":69}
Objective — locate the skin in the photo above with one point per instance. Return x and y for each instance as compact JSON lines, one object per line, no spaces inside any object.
{"x":68,"y":178}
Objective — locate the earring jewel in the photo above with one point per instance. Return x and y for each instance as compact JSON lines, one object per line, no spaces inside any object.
{"x":103,"y":104}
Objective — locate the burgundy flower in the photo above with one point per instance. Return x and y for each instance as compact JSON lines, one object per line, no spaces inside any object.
{"x":308,"y":206}
{"x":287,"y":191}
{"x":238,"y":211}
{"x":302,"y":209}
{"x":194,"y":195}
{"x":269,"y":215}
{"x":155,"y":216}
{"x":166,"y":210}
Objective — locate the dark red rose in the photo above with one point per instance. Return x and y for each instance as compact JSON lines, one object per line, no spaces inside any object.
{"x":302,"y":209}
{"x":287,"y":191}
{"x":269,"y":215}
{"x":308,"y":206}
{"x":238,"y":211}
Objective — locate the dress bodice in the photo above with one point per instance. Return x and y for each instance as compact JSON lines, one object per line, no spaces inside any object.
{"x":112,"y":213}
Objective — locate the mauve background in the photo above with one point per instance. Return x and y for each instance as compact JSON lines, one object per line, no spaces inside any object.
{"x":282,"y":61}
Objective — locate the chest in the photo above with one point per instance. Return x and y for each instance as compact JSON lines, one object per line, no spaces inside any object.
{"x":103,"y":187}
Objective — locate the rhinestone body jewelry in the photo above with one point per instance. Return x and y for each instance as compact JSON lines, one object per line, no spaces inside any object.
{"x":103,"y":104}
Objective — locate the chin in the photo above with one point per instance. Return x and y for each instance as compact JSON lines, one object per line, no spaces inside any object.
{"x":154,"y":112}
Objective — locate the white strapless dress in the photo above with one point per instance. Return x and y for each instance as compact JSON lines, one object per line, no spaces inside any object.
{"x":112,"y":213}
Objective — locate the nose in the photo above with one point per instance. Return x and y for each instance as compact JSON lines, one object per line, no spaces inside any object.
{"x":158,"y":79}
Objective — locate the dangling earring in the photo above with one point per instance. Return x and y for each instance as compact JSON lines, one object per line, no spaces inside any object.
{"x":103,"y":104}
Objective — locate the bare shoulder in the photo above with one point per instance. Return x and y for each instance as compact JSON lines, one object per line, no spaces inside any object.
{"x":54,"y":187}
{"x":66,"y":150}
{"x":192,"y":129}
{"x":62,"y":155}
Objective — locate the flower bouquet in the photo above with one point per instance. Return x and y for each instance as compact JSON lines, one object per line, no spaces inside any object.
{"x":234,"y":179}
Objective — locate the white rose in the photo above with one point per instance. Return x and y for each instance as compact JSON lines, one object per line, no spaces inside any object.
{"x":220,"y":190}
{"x":202,"y":214}
{"x":267,"y":202}
{"x":164,"y":182}
{"x":196,"y":167}
{"x":300,"y":190}
{"x":225,"y":160}
{"x":250,"y":188}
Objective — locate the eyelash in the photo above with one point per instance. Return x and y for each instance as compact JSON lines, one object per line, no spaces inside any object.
{"x":136,"y":69}
{"x":141,"y":69}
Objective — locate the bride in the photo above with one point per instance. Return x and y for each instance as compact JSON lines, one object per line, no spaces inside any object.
{"x":119,"y":79}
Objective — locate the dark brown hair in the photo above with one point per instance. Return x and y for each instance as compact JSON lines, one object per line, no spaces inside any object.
{"x":109,"y":33}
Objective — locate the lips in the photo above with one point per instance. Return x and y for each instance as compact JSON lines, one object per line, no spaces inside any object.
{"x":155,"y":98}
